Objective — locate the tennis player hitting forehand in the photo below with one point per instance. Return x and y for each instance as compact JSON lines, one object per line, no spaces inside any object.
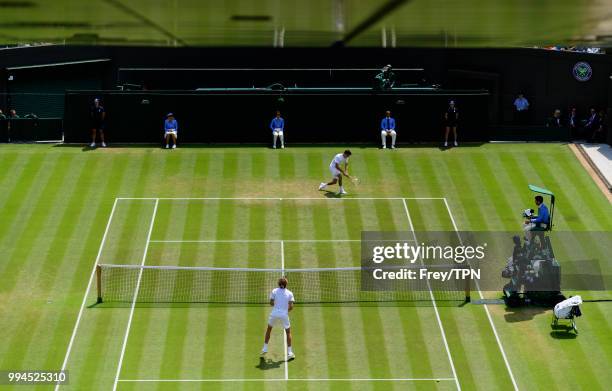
{"x":282,"y":300}
{"x":338,"y":167}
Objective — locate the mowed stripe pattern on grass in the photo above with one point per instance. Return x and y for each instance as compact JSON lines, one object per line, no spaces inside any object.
{"x":350,"y":333}
{"x":56,"y":202}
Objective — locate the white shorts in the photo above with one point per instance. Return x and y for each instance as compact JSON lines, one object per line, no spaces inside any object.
{"x":276,"y":317}
{"x":277,"y":132}
{"x":173,"y":132}
{"x":335,"y":172}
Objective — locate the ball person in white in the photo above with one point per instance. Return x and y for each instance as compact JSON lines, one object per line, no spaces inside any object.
{"x":338,"y":167}
{"x":282,"y":300}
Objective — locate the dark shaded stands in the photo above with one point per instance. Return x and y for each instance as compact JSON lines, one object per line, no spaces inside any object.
{"x":544,"y":77}
{"x":243,"y":116}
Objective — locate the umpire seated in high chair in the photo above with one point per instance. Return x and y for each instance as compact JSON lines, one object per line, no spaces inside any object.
{"x":540,"y":223}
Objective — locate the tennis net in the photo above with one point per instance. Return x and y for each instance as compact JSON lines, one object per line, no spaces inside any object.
{"x":181,"y":284}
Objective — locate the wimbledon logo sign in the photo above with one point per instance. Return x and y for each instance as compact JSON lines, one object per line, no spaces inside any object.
{"x":582,"y":71}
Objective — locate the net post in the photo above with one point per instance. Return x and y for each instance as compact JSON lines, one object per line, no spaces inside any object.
{"x":467,"y":287}
{"x":99,"y":283}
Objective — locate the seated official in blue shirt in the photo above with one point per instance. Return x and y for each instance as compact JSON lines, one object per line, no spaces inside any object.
{"x":278,"y":129}
{"x":387,"y":128}
{"x":521,"y":103}
{"x":539,"y":222}
{"x":170,"y":130}
{"x":521,"y":110}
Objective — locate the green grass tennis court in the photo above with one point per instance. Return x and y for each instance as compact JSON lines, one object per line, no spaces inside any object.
{"x":251,"y":207}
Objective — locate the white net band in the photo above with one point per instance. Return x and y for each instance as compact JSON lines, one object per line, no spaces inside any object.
{"x":182,"y":284}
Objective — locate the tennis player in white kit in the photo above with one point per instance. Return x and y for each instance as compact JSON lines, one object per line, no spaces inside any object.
{"x":282,"y":300}
{"x":338,"y":167}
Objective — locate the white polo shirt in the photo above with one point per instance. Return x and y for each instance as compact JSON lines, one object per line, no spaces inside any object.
{"x":339,"y":159}
{"x":281,"y":298}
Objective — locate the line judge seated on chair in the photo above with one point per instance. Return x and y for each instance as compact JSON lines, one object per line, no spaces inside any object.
{"x":539,"y":222}
{"x":387,"y":128}
{"x":170,"y":130}
{"x":278,"y":130}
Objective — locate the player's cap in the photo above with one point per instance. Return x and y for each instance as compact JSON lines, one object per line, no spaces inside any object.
{"x":97,"y":100}
{"x":451,"y":102}
{"x":169,"y":115}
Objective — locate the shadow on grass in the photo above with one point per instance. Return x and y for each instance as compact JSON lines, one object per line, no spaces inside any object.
{"x":331,"y":194}
{"x":266,"y":364}
{"x":563,"y":330}
{"x":522,"y":314}
{"x":564,"y":333}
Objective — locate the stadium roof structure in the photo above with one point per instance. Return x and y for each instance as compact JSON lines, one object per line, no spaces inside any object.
{"x":296,"y":23}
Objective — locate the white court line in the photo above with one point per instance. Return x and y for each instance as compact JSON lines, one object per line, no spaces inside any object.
{"x":275,"y":198}
{"x":283,"y":380}
{"x":282,"y":259}
{"x":276,"y":240}
{"x":93,"y":272}
{"x":127,"y":331}
{"x":435,"y":306}
{"x":501,"y":348}
{"x":282,"y":248}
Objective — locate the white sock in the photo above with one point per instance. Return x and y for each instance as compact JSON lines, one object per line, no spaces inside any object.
{"x":341,"y":188}
{"x":275,"y":138}
{"x":282,"y":137}
{"x":265,"y":346}
{"x":289,"y":350}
